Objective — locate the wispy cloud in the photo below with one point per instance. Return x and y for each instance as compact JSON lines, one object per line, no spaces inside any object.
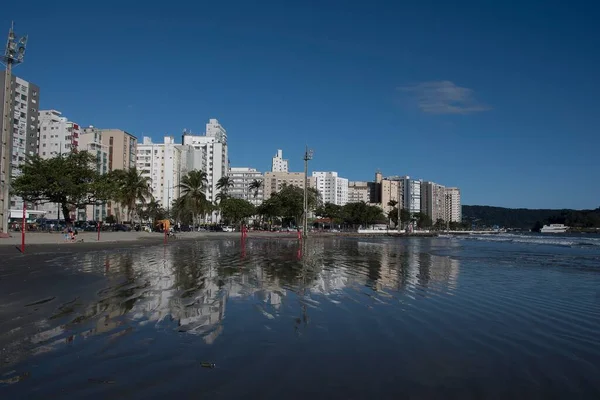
{"x":444,"y":97}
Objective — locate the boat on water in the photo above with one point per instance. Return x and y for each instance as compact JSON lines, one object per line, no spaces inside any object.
{"x":554,"y":228}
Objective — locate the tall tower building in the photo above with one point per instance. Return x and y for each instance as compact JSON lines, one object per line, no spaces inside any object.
{"x":279,"y":164}
{"x":57,"y":135}
{"x":121,"y":148}
{"x":212,"y":150}
{"x":161,"y":162}
{"x":433,"y":201}
{"x":453,"y":206}
{"x":332,"y":188}
{"x":24,"y":105}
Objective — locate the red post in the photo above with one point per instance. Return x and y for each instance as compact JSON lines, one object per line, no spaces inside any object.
{"x":99,"y":223}
{"x":24,"y":227}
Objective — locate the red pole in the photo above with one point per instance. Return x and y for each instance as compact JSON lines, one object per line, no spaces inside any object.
{"x":99,"y":223}
{"x":24,"y":227}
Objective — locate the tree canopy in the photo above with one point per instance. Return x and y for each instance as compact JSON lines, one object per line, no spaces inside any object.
{"x":70,"y":180}
{"x":235,"y":211}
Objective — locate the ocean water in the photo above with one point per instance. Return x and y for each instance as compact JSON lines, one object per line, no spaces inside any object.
{"x":490,"y":316}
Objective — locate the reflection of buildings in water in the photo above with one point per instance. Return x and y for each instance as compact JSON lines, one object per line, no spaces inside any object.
{"x":408,"y":265}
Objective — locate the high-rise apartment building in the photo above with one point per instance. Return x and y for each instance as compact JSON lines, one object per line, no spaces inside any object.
{"x":161,"y":163}
{"x":242,"y":179}
{"x":412,"y":194}
{"x":90,"y":140}
{"x":332,"y":188}
{"x":453,"y":205}
{"x":433,"y":201}
{"x":212,"y":152}
{"x":57,"y":135}
{"x":121,"y":147}
{"x":279,"y":164}
{"x":362,"y":191}
{"x":274,"y":181}
{"x":22,"y":140}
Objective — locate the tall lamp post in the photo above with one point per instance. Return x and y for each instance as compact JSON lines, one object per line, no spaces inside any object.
{"x":308,"y":155}
{"x":13,"y":54}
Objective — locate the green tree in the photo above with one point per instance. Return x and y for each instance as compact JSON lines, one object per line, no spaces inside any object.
{"x":291,"y":202}
{"x":361,"y":213}
{"x":235,"y":211}
{"x":69,"y":180}
{"x":423,"y":220}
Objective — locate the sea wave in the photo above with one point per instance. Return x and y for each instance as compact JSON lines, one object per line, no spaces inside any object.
{"x":563,"y":241}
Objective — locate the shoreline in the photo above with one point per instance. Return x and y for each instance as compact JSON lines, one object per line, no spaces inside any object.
{"x":44,"y":242}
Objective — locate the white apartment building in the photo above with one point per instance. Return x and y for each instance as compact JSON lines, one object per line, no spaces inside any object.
{"x":161,"y":163}
{"x":412,"y":195}
{"x":332,"y":188}
{"x":453,"y":206}
{"x":57,"y":136}
{"x":242,"y":178}
{"x":433,"y":201}
{"x":279,"y":164}
{"x":212,"y":152}
{"x":22,"y":139}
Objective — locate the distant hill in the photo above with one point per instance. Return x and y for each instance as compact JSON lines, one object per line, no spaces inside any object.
{"x":523,"y":218}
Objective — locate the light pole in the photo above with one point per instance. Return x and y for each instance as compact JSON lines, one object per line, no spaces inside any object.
{"x":308,"y":155}
{"x":13,"y":54}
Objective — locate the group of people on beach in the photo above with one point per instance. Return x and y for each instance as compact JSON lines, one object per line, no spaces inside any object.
{"x":70,"y":234}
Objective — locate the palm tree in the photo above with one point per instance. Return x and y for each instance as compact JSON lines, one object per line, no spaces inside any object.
{"x":132,"y":188}
{"x":193,"y":186}
{"x":256,"y":185}
{"x":224,"y":183}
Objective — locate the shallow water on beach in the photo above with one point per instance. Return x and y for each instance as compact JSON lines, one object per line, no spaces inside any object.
{"x":335,"y":318}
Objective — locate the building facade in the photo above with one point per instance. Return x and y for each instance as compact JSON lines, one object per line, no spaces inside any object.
{"x":274,"y":181}
{"x":209,"y":152}
{"x":433,"y":201}
{"x":121,"y":147}
{"x":333,"y":189}
{"x":22,"y":136}
{"x":412,"y":194}
{"x":161,"y":163}
{"x":242,"y":179}
{"x":57,"y":135}
{"x":279,"y":164}
{"x":362,"y":191}
{"x":90,"y":140}
{"x":453,"y":205}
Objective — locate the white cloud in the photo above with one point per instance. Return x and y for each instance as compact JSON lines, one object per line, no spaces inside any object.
{"x":444,"y":97}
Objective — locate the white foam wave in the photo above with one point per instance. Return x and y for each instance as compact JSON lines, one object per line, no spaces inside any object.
{"x":565,"y":241}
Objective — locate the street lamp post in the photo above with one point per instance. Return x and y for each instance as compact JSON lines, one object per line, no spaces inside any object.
{"x":13,"y":54}
{"x":308,"y":155}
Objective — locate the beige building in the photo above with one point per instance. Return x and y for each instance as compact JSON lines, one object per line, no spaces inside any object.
{"x":121,"y":146}
{"x":274,"y":181}
{"x":453,"y":206}
{"x":391,"y":190}
{"x":433,"y":201}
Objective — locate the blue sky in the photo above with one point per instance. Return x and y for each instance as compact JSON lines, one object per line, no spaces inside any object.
{"x":499,"y":98}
